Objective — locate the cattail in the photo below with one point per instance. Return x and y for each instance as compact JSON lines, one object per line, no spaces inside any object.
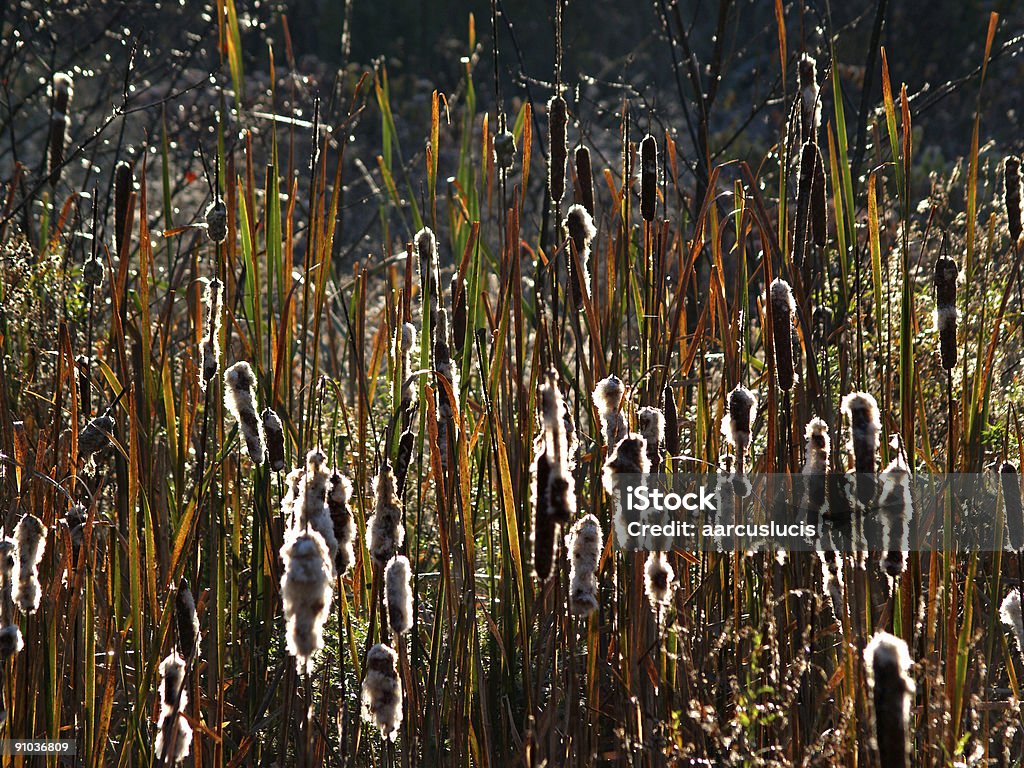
{"x":782,"y":310}
{"x":818,"y":449}
{"x":186,"y":620}
{"x":504,"y":150}
{"x":1014,"y":512}
{"x":805,"y":181}
{"x":946,"y":274}
{"x":1011,"y":196}
{"x":30,"y":533}
{"x":544,"y":533}
{"x":736,"y":423}
{"x":460,"y":318}
{"x":558,"y":121}
{"x":382,"y":691}
{"x":561,"y":485}
{"x":861,"y":411}
{"x":93,"y":272}
{"x":306,"y":593}
{"x":648,"y":177}
{"x":896,"y":510}
{"x":629,"y":457}
{"x":11,"y":642}
{"x":274,"y":430}
{"x":404,"y":458}
{"x":607,"y":397}
{"x":217,"y":221}
{"x":819,"y":202}
{"x":95,"y":436}
{"x":652,"y":426}
{"x":74,"y":522}
{"x":240,"y":399}
{"x":585,"y":178}
{"x":671,"y":421}
{"x":312,"y":510}
{"x":822,"y":327}
{"x":342,"y":522}
{"x":398,"y":594}
{"x":384,"y":530}
{"x":430,"y":282}
{"x":584,"y":545}
{"x":124,"y":184}
{"x":61,"y":92}
{"x":888,"y":668}
{"x":408,"y":385}
{"x":1010,"y":615}
{"x":810,"y":106}
{"x":292,"y":484}
{"x":658,"y":578}
{"x":8,"y":564}
{"x":174,"y":734}
{"x":213,"y":298}
{"x":445,"y":370}
{"x":579,"y":229}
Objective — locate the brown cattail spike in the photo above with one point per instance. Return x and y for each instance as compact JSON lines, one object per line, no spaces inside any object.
{"x":648,"y":177}
{"x":861,"y":410}
{"x":946,"y":274}
{"x":1011,"y":196}
{"x":808,"y":158}
{"x":459,"y":313}
{"x":504,"y":150}
{"x":558,"y":120}
{"x":585,"y":178}
{"x":783,"y":309}
{"x":124,"y":183}
{"x":736,"y":423}
{"x":888,"y":666}
{"x":579,"y":228}
{"x":186,"y":620}
{"x":60,"y":94}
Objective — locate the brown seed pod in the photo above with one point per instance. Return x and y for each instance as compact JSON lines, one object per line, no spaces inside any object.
{"x":946,"y":274}
{"x":808,"y":156}
{"x":558,"y":121}
{"x":1011,"y":196}
{"x":124,"y":183}
{"x":186,"y":620}
{"x":274,"y":430}
{"x":585,"y":178}
{"x":648,"y":177}
{"x":783,"y":309}
{"x":888,"y":666}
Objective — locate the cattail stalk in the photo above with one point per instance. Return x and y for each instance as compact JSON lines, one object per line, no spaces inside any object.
{"x":668,"y":401}
{"x":1011,"y":197}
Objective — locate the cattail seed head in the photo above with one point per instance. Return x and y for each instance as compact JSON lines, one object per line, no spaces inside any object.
{"x":124,"y":185}
{"x":607,"y":398}
{"x":584,"y":546}
{"x":398,"y":594}
{"x":1011,"y":196}
{"x":11,"y":642}
{"x":30,"y":533}
{"x":561,"y":485}
{"x":213,"y":298}
{"x":579,"y":229}
{"x":174,"y":734}
{"x":658,"y":579}
{"x":861,"y":412}
{"x":504,"y":149}
{"x":8,"y":565}
{"x":95,"y":436}
{"x":652,"y":426}
{"x":946,"y":275}
{"x":430,"y":282}
{"x":783,"y":310}
{"x":810,"y":106}
{"x":342,"y":521}
{"x":648,"y":177}
{"x":311,"y":510}
{"x":186,"y":620}
{"x":671,"y":421}
{"x":736,"y":423}
{"x":61,"y":92}
{"x":274,"y":430}
{"x":240,"y":400}
{"x":382,"y":691}
{"x":585,"y":178}
{"x":1010,"y":615}
{"x":460,"y":318}
{"x":384,"y":530}
{"x":896,"y":510}
{"x":628,"y":458}
{"x":558,"y":120}
{"x":1009,"y":480}
{"x":888,"y":669}
{"x":545,"y":528}
{"x":409,"y":383}
{"x":805,"y":182}
{"x":404,"y":458}
{"x":819,"y":446}
{"x":217,"y":221}
{"x":93,"y":272}
{"x":306,"y":593}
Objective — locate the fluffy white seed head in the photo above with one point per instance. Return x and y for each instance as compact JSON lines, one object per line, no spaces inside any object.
{"x":384,"y":530}
{"x":240,"y":400}
{"x":607,"y":397}
{"x":737,"y":422}
{"x":306,"y":593}
{"x":382,"y":691}
{"x":861,"y":412}
{"x":1010,"y":615}
{"x":584,"y":546}
{"x":30,"y":534}
{"x":887,"y":660}
{"x":342,"y":520}
{"x":8,"y":566}
{"x":312,"y":511}
{"x":174,"y":734}
{"x":213,"y":298}
{"x":658,"y":580}
{"x":398,"y":594}
{"x":818,"y":447}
